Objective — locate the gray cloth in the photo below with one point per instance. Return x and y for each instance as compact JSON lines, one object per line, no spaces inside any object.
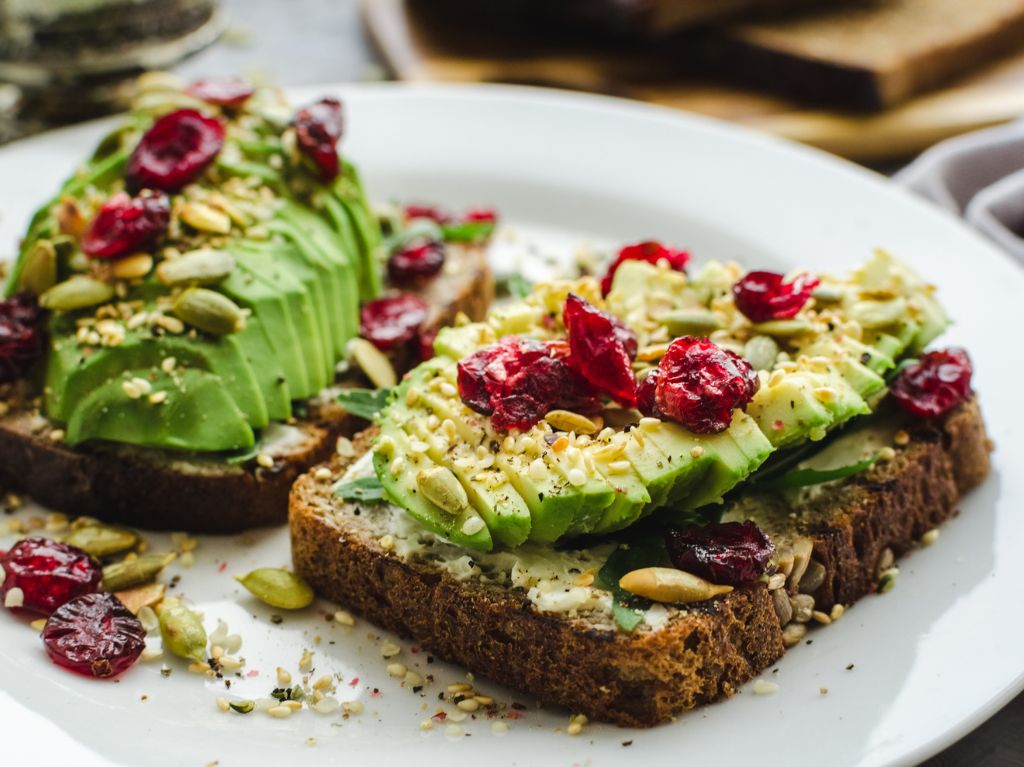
{"x":979,"y":176}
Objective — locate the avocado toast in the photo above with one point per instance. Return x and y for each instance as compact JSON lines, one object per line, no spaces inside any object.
{"x":633,"y":547}
{"x":190,"y":303}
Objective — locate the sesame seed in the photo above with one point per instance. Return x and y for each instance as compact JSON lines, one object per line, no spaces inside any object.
{"x":294,"y":705}
{"x":447,"y":389}
{"x":901,"y":438}
{"x":265,"y":460}
{"x":764,"y":687}
{"x":387,"y":542}
{"x":283,"y":677}
{"x":310,"y":741}
{"x":619,"y":467}
{"x":418,"y":446}
{"x":930,"y":537}
{"x":15,"y":597}
{"x":322,"y":474}
{"x":886,"y":454}
{"x":427,"y":724}
{"x":837,"y":611}
{"x":306,"y":661}
{"x":538,"y":470}
{"x":576,"y":477}
{"x":354,"y":707}
{"x":397,"y":669}
{"x":345,"y":449}
{"x":280,"y":712}
{"x":412,"y":679}
{"x":327,"y":706}
{"x":575,"y":728}
{"x":38,"y":625}
{"x":469,"y":705}
{"x":157,"y":398}
{"x":473,"y":525}
{"x":131,"y":389}
{"x":696,"y":451}
{"x":823,"y":618}
{"x":499,"y":727}
{"x":57,"y":435}
{"x":454,"y":731}
{"x":459,"y":687}
{"x":152,"y":653}
{"x":389,"y":649}
{"x":344,"y":618}
{"x":647,"y":422}
{"x":222,"y":703}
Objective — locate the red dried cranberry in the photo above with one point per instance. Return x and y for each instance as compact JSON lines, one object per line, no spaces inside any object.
{"x":763,"y":296}
{"x":646,"y":401}
{"x":699,"y":384}
{"x":729,"y":553}
{"x":430,"y":212}
{"x":425,"y":342}
{"x":517,"y":381}
{"x":318,"y":129}
{"x":49,"y":573}
{"x":126,"y":225}
{"x":230,"y":92}
{"x":650,"y":251}
{"x":21,"y":335}
{"x":392,"y":321}
{"x":416,"y":260}
{"x":935,"y":384}
{"x":602,"y":349}
{"x":95,"y":635}
{"x":175,"y":151}
{"x":481,"y":216}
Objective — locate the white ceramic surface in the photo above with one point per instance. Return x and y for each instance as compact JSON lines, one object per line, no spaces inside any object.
{"x":932,"y":658}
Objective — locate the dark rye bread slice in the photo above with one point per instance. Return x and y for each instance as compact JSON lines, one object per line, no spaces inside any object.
{"x":871,"y":54}
{"x":162,"y":490}
{"x":700,"y":654}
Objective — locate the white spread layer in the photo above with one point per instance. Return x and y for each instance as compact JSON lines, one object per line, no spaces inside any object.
{"x":548,"y":576}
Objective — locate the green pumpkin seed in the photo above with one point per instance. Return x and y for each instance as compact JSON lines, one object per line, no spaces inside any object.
{"x":278,"y":588}
{"x":828,"y":294}
{"x":209,"y":311}
{"x":182,"y":631}
{"x":784,"y":328}
{"x":373,"y":362}
{"x":442,"y":488}
{"x":242,"y":706}
{"x":879,"y":314}
{"x":102,"y":540}
{"x":39,"y":272}
{"x":198,"y":267}
{"x":134,"y":572}
{"x":79,"y":292}
{"x":691,"y":322}
{"x":761,"y":352}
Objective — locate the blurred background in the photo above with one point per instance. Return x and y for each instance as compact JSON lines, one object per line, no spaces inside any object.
{"x":876,"y":81}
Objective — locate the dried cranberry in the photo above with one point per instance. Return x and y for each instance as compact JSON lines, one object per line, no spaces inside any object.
{"x":392,"y":321}
{"x":725,"y":552}
{"x":517,"y":381}
{"x":646,"y":401}
{"x":21,"y":335}
{"x":763,"y":296}
{"x":174,"y":151}
{"x":49,"y":573}
{"x":650,"y":251}
{"x":429,"y":212}
{"x":126,"y":225}
{"x":935,"y":384}
{"x":230,"y":92}
{"x":416,"y":260}
{"x":95,"y":635}
{"x":318,"y":129}
{"x":425,"y":344}
{"x":699,"y":384}
{"x":481,"y":216}
{"x":602,"y":349}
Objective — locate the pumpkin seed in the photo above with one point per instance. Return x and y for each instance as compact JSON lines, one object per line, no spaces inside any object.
{"x":691,"y":322}
{"x":209,"y":311}
{"x":182,"y":631}
{"x":782,"y":605}
{"x":761,"y":352}
{"x":784,"y":328}
{"x":373,"y":362}
{"x":103,"y":540}
{"x":39,"y":272}
{"x":801,"y":558}
{"x":566,"y":420}
{"x":201,"y":216}
{"x":666,"y":584}
{"x":878,"y":314}
{"x":134,"y":572}
{"x":278,"y":588}
{"x":133,"y":267}
{"x":141,"y":596}
{"x":442,"y":488}
{"x":198,"y":267}
{"x":828,"y":294}
{"x":242,"y":706}
{"x":79,"y":292}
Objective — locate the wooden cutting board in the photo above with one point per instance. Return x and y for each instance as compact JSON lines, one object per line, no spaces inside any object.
{"x":418,"y":45}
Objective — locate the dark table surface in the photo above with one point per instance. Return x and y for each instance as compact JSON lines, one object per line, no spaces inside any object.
{"x":309,"y":41}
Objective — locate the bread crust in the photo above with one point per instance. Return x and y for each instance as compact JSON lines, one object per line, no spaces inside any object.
{"x":645,"y":678}
{"x":161,"y":490}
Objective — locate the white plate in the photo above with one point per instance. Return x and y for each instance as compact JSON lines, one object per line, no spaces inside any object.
{"x":933,"y":658}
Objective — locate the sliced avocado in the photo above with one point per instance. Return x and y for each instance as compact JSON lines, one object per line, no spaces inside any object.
{"x":458,"y":343}
{"x":198,"y":414}
{"x":400,"y":483}
{"x":271,"y":306}
{"x":255,"y":342}
{"x":789,"y":410}
{"x":661,"y":471}
{"x":594,"y":494}
{"x":631,"y":496}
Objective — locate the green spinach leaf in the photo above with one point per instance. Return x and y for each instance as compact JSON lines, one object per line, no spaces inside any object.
{"x":365,"y":489}
{"x":364,"y":403}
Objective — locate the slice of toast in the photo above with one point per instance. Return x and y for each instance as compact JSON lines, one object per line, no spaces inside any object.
{"x":869,"y":55}
{"x":162,"y":490}
{"x":359,"y":555}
